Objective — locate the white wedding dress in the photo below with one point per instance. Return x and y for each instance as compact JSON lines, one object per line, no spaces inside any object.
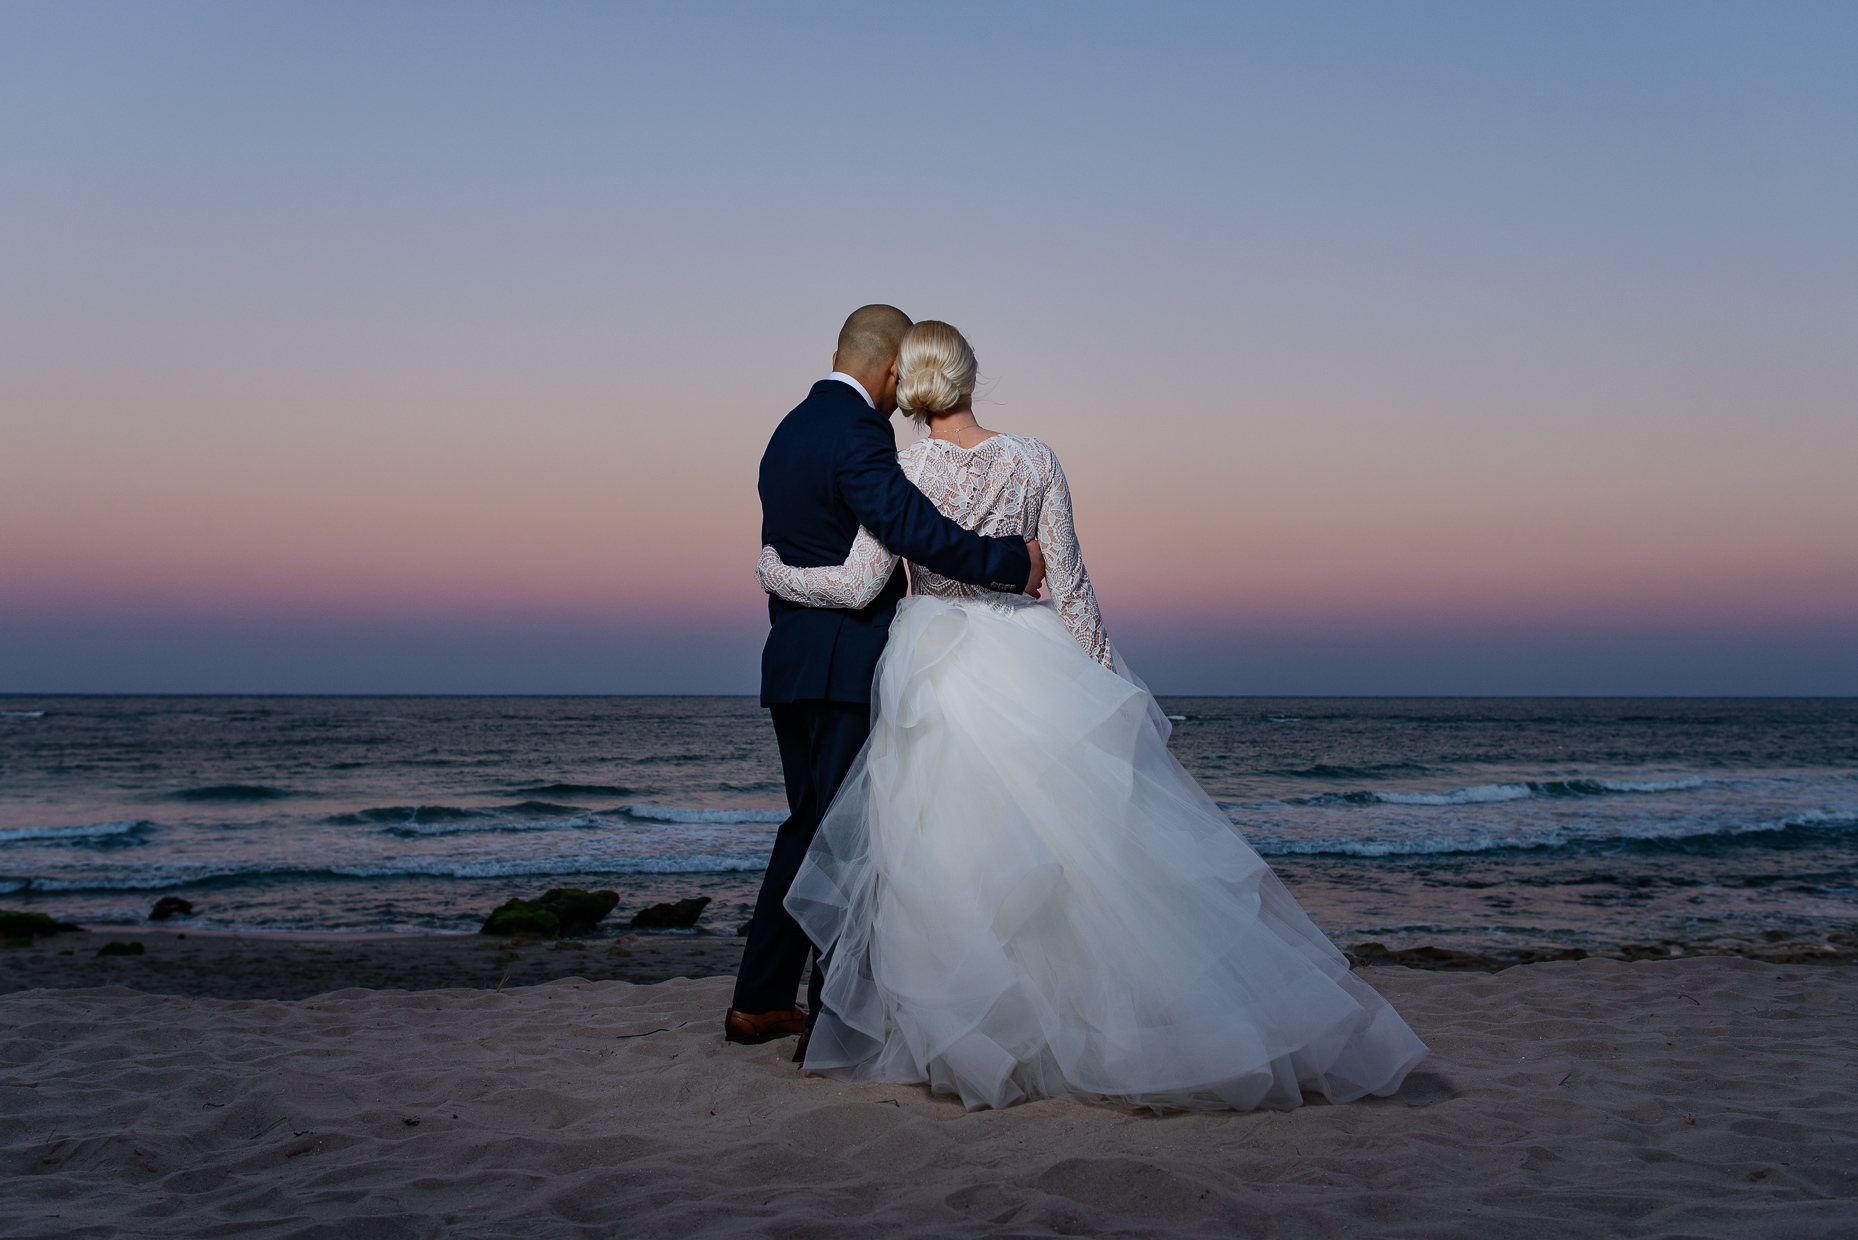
{"x":1020,"y":892}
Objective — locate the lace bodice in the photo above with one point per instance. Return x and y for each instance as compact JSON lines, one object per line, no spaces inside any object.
{"x":1004,"y":485}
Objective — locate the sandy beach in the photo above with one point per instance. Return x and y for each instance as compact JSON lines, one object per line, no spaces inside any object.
{"x":1702,"y":1097}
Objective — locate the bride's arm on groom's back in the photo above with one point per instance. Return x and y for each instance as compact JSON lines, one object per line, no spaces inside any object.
{"x":854,"y":584}
{"x":1065,"y":571}
{"x":888,"y":504}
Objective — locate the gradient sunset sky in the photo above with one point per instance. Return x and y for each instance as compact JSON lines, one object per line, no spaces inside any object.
{"x":1389,"y":348}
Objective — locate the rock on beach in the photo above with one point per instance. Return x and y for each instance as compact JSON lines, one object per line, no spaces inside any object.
{"x":561,"y":912}
{"x":679,"y":916}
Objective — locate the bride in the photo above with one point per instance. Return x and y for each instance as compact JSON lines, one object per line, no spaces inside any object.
{"x":1019,"y":892}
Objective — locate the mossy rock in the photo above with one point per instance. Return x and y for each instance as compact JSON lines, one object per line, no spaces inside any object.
{"x":516,"y":916}
{"x":579,"y":911}
{"x":26,"y":925}
{"x":120,"y":949}
{"x":561,"y":912}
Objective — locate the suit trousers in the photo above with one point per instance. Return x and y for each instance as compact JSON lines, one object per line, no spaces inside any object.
{"x":819,"y":742}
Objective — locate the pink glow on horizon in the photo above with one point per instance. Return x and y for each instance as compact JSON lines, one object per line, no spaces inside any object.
{"x":609,"y":514}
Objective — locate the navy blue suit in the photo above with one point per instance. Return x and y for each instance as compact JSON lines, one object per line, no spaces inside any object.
{"x":830,"y":467}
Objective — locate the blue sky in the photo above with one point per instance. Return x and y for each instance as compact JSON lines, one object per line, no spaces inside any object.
{"x":1389,"y":348}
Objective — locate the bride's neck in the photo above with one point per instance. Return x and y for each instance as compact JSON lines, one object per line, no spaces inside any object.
{"x":953,"y":419}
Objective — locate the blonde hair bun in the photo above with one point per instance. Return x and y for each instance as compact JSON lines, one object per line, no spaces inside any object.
{"x":935,"y":369}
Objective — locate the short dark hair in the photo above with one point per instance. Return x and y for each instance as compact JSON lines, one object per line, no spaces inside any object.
{"x":871,"y":336}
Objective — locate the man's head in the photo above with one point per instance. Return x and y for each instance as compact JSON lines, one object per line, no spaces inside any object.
{"x":868,"y":351}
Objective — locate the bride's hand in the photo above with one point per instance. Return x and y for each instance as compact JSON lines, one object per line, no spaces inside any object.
{"x":1037,"y":576}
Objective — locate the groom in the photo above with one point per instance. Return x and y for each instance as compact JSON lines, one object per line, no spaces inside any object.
{"x":831,"y":467}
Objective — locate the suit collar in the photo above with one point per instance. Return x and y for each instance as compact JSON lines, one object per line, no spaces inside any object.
{"x":852,"y":383}
{"x":835,"y":390}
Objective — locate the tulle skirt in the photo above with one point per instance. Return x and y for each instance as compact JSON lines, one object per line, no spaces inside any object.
{"x":1021,"y":893}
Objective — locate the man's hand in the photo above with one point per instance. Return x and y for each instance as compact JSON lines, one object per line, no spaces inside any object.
{"x":1037,"y":578}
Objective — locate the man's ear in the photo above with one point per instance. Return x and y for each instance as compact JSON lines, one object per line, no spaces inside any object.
{"x":893,"y":373}
{"x":835,"y":360}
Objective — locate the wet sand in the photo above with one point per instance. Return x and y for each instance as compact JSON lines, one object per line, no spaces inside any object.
{"x":224,"y":965}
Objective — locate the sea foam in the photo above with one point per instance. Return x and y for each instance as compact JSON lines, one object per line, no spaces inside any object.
{"x":90,"y":832}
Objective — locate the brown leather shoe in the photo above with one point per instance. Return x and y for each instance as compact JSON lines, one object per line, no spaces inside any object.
{"x":754,"y":1028}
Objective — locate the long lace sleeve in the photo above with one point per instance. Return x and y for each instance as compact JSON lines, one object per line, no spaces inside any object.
{"x":850,"y":585}
{"x":1065,"y":572}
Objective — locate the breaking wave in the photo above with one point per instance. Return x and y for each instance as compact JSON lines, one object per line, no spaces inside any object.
{"x":1484,"y":794}
{"x":1794,"y":829}
{"x":420,"y":830}
{"x":718,"y":817}
{"x":92,"y":833}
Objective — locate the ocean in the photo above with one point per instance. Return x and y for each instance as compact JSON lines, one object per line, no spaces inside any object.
{"x":1469,"y":823}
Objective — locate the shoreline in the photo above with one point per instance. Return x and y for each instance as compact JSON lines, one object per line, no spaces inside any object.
{"x":294,"y":965}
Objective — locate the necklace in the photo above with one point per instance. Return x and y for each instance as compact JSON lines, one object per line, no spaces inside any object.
{"x":958,"y":433}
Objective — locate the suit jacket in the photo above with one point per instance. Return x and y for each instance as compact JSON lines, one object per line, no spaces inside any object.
{"x":831,"y":467}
